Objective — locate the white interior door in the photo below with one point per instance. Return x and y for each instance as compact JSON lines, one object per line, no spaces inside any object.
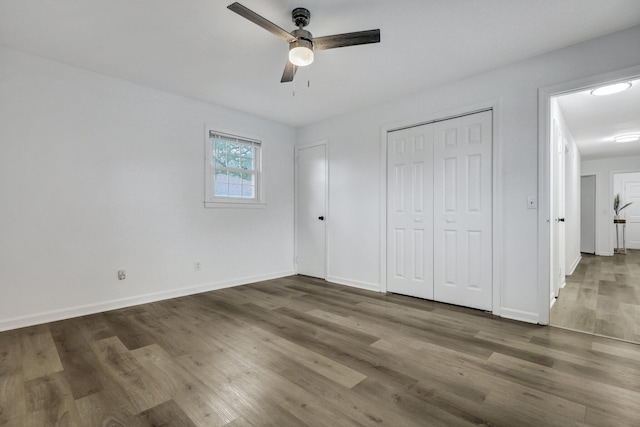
{"x":311,"y":210}
{"x":631,"y":193}
{"x":588,"y":214}
{"x":463,"y":211}
{"x":410,"y":211}
{"x":557,"y":211}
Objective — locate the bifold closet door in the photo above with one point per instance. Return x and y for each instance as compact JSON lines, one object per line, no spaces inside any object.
{"x":410,"y":211}
{"x":463,"y":211}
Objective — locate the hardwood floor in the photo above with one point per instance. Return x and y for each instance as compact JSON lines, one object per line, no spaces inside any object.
{"x":299,"y":351}
{"x":602,"y":297}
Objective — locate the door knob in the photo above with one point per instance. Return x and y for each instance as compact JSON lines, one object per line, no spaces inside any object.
{"x":321,"y":218}
{"x":560,"y":219}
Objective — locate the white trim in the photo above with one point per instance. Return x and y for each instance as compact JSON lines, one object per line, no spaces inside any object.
{"x":544,"y":191}
{"x":354,"y":283}
{"x":384,"y":132}
{"x":497,"y":200}
{"x":573,"y":267}
{"x":523,"y":316}
{"x":244,"y":205}
{"x":327,"y":216}
{"x":83,"y":310}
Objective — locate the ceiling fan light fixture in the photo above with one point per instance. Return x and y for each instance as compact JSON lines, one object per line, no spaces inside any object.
{"x":627,"y":138}
{"x":301,"y":52}
{"x":611,"y":89}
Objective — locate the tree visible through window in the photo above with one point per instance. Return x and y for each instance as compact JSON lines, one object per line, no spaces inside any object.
{"x":233,"y":168}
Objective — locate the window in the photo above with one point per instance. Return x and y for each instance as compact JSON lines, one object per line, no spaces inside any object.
{"x":232,"y":171}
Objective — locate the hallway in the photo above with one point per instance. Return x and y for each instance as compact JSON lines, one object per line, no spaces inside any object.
{"x":602,"y":297}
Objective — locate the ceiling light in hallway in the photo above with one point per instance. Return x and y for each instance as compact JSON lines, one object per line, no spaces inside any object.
{"x":611,"y":89}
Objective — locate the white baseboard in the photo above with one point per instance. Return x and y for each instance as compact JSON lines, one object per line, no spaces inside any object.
{"x":574,"y":265}
{"x":70,"y":312}
{"x":523,"y":316}
{"x":604,"y":253}
{"x":354,"y":283}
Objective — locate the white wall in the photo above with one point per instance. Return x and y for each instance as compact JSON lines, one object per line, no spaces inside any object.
{"x":356,"y":171}
{"x":99,"y":174}
{"x":604,"y":170}
{"x":571,"y":191}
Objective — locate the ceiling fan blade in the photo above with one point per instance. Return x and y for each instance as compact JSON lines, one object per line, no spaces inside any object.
{"x":347,"y":39}
{"x":259,"y":20}
{"x":289,"y":72}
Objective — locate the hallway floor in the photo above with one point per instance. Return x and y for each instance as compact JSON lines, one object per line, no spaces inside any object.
{"x":602,"y":297}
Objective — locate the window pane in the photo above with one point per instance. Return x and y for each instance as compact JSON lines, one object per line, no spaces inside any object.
{"x":246,"y":163}
{"x":221,"y":189}
{"x":221,"y":176}
{"x":220,"y":147}
{"x":235,"y":190}
{"x":247,"y":179}
{"x":233,"y":162}
{"x":248,"y":191}
{"x":235,"y":177}
{"x":220,"y":160}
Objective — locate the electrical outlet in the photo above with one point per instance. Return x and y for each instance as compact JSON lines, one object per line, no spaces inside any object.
{"x":196,"y":266}
{"x":122,"y":275}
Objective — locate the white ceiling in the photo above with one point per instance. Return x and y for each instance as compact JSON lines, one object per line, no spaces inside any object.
{"x":595,"y":120}
{"x":199,"y":49}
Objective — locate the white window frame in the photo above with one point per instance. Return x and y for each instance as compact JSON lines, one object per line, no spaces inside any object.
{"x":212,"y":201}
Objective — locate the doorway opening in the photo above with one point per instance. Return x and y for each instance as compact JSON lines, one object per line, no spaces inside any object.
{"x":587,"y":285}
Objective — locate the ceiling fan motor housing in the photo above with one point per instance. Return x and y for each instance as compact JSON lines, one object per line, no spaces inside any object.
{"x":301,"y":17}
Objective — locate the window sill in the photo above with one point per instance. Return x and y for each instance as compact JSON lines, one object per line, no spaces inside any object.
{"x":235,"y":205}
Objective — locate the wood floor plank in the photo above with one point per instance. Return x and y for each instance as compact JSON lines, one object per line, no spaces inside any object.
{"x":618,"y":349}
{"x":325,"y":366}
{"x":299,"y":351}
{"x":199,"y":399}
{"x":121,"y":367}
{"x":108,"y":407}
{"x":588,"y":392}
{"x":250,"y":398}
{"x":12,"y":395}
{"x":81,"y":366}
{"x":165,"y":414}
{"x":39,"y":353}
{"x":50,"y":402}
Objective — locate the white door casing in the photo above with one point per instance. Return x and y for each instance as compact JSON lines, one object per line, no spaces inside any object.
{"x":410,"y":211}
{"x":588,"y":214}
{"x":463,"y":211}
{"x":311,"y":209}
{"x":631,"y":194}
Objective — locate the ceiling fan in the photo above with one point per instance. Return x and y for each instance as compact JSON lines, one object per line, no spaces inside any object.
{"x":301,"y":42}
